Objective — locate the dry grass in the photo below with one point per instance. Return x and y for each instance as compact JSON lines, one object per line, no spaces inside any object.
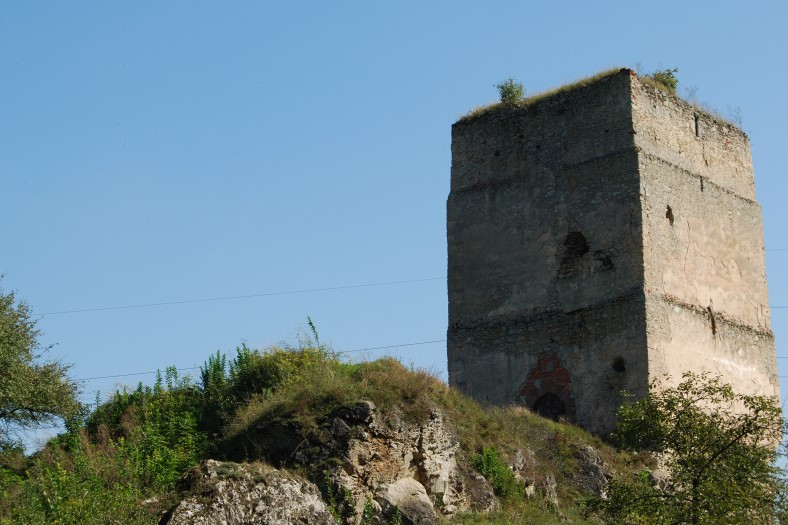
{"x":541,"y":95}
{"x":700,"y":107}
{"x":656,"y":84}
{"x":319,"y":390}
{"x":404,"y":393}
{"x":713,"y":113}
{"x":537,"y":511}
{"x":410,"y":394}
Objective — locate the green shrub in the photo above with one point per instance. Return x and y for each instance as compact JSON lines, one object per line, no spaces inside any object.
{"x":717,"y":446}
{"x":368,"y":514}
{"x":666,"y":78}
{"x":510,"y":91}
{"x":215,"y":400}
{"x":86,"y":485}
{"x":156,"y":428}
{"x":497,"y":472}
{"x":254,"y":373}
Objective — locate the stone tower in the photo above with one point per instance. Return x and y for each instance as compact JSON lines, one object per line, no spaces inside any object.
{"x":601,"y":236}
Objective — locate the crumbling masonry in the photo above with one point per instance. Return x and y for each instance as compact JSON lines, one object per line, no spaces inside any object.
{"x":601,"y":237}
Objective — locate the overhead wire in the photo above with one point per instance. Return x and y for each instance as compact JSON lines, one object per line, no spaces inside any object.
{"x":270,"y":294}
{"x":246,"y":296}
{"x":287,"y":292}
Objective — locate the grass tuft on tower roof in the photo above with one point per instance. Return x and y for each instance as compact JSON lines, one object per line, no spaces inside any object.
{"x":700,"y":107}
{"x":528,"y":101}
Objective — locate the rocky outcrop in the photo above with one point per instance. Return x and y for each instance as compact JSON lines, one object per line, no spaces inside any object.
{"x":591,"y":474}
{"x":246,"y":494}
{"x":404,"y":467}
{"x":366,"y":466}
{"x":387,"y":465}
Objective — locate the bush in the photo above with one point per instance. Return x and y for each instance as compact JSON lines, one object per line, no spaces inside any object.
{"x":86,"y":485}
{"x":510,"y":91}
{"x":497,"y":472}
{"x":666,"y":78}
{"x":260,"y":373}
{"x":155,"y":428}
{"x":718,"y":448}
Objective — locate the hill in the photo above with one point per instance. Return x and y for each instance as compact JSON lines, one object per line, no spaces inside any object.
{"x":299,"y":435}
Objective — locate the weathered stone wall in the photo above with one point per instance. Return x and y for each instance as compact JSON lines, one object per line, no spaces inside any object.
{"x":585,"y":358}
{"x":692,"y":140}
{"x":545,"y":255}
{"x":599,"y":238}
{"x":704,"y":272}
{"x":683,"y":337}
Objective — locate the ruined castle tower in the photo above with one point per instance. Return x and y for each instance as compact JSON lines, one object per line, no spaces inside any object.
{"x":599,"y":237}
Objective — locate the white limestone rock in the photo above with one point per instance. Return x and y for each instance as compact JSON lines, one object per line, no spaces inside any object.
{"x":225,"y":493}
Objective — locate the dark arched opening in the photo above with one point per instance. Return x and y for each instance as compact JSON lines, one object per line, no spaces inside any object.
{"x":550,"y":406}
{"x":576,"y":245}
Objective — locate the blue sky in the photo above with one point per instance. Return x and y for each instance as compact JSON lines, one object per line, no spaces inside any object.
{"x":170,"y":151}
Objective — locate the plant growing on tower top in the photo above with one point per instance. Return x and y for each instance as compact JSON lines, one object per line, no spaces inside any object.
{"x":511,"y":91}
{"x":666,"y":78}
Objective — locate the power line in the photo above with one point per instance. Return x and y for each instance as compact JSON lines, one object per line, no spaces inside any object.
{"x":368,"y":349}
{"x":248,"y":296}
{"x":134,"y":374}
{"x":392,"y":346}
{"x":271,"y":294}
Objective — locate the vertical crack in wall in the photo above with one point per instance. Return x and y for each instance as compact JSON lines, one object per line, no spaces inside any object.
{"x":686,"y":260}
{"x":713,"y":320}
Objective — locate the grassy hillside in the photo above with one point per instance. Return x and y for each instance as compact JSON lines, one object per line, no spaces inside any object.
{"x":121,"y":463}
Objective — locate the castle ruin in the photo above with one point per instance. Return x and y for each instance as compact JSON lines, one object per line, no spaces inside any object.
{"x":600,"y":237}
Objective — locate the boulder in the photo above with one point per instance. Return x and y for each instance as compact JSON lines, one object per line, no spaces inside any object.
{"x":408,"y":497}
{"x":246,"y":494}
{"x":592,"y":476}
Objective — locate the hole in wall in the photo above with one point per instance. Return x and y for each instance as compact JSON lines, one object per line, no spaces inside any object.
{"x":550,"y":406}
{"x":697,"y":126}
{"x":701,"y":184}
{"x":497,"y":153}
{"x":669,"y":215}
{"x":603,"y":260}
{"x":619,"y":365}
{"x":576,"y":245}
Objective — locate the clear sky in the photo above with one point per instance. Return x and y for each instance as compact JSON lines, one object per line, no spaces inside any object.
{"x":155,"y":152}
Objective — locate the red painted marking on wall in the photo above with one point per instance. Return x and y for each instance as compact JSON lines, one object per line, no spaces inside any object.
{"x":549,"y":376}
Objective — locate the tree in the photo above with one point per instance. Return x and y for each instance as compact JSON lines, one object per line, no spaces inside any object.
{"x":510,"y":91}
{"x":34,"y":392}
{"x":718,"y":448}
